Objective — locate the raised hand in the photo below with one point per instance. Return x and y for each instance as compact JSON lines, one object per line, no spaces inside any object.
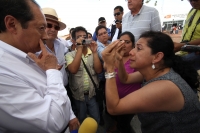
{"x":45,"y":60}
{"x":79,"y":44}
{"x":109,"y":54}
{"x":119,"y":52}
{"x":93,"y":46}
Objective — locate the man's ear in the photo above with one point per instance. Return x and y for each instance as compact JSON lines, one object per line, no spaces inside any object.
{"x":10,"y":23}
{"x":158,"y":57}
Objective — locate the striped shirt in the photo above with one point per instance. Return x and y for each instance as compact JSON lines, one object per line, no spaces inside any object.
{"x":147,"y":19}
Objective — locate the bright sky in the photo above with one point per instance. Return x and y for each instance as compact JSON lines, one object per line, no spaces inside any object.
{"x":86,"y":12}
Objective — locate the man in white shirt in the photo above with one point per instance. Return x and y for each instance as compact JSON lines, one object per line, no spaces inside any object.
{"x":55,"y":45}
{"x":140,"y":18}
{"x":33,"y":97}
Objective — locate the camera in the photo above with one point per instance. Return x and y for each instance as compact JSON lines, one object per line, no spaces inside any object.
{"x":190,"y":48}
{"x":86,"y":41}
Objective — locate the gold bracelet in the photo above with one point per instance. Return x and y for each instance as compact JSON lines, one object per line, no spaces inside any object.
{"x":110,"y":75}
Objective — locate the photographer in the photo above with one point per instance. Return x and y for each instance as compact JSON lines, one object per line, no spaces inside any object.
{"x":83,"y":91}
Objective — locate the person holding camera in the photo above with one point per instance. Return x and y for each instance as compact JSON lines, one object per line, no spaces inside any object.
{"x":166,"y":102}
{"x":116,"y":29}
{"x":83,"y":90}
{"x":191,"y":33}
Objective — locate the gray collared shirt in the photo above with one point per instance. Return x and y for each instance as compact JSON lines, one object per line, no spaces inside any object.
{"x":147,"y":19}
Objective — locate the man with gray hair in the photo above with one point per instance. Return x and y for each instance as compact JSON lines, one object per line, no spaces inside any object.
{"x":33,"y":97}
{"x":141,"y":18}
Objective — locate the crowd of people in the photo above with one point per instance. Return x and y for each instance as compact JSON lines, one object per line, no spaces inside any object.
{"x":49,"y":84}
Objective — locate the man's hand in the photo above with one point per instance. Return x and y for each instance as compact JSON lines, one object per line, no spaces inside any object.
{"x":119,"y":26}
{"x":79,"y":44}
{"x":59,"y":67}
{"x":177,"y":46}
{"x":93,"y":46}
{"x":45,"y":60}
{"x":74,"y":124}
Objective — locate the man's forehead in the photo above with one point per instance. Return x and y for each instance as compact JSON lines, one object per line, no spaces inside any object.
{"x":116,"y":10}
{"x":81,"y":33}
{"x":102,"y":30}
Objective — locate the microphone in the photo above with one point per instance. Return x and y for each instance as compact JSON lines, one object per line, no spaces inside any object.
{"x":89,"y":125}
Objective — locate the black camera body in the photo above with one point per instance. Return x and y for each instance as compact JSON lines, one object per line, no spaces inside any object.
{"x":190,"y":48}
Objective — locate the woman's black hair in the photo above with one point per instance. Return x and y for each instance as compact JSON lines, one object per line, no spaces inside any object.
{"x":161,"y":42}
{"x":131,"y":36}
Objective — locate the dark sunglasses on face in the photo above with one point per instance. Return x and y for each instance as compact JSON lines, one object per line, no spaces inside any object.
{"x":51,"y":25}
{"x":118,"y":13}
{"x":193,"y":0}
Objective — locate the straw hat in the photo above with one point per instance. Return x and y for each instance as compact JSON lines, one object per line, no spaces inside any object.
{"x":51,"y":14}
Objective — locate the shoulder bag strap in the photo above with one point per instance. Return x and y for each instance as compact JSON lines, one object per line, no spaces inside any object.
{"x":95,"y":86}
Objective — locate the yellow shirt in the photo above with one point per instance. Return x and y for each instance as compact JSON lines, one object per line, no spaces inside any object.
{"x":86,"y":77}
{"x":191,"y":30}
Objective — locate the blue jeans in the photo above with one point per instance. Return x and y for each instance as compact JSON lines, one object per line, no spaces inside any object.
{"x":90,"y":106}
{"x":194,"y":58}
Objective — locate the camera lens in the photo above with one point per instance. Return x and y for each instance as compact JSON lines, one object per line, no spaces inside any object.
{"x":83,"y":42}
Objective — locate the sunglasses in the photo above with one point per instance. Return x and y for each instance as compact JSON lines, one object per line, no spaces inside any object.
{"x":192,"y":0}
{"x":118,"y":13}
{"x":51,"y":25}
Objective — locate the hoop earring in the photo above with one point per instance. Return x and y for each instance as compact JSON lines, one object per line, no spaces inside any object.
{"x":153,"y":66}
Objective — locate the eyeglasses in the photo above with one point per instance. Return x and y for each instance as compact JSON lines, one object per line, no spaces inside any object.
{"x":103,"y":33}
{"x":118,"y":13}
{"x":51,"y":25}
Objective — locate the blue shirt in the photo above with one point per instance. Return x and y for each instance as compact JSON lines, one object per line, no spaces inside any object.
{"x":100,"y":48}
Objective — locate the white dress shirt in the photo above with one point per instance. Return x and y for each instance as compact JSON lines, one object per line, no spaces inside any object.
{"x":64,"y":42}
{"x":60,"y":55}
{"x":116,"y":35}
{"x":31,"y":100}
